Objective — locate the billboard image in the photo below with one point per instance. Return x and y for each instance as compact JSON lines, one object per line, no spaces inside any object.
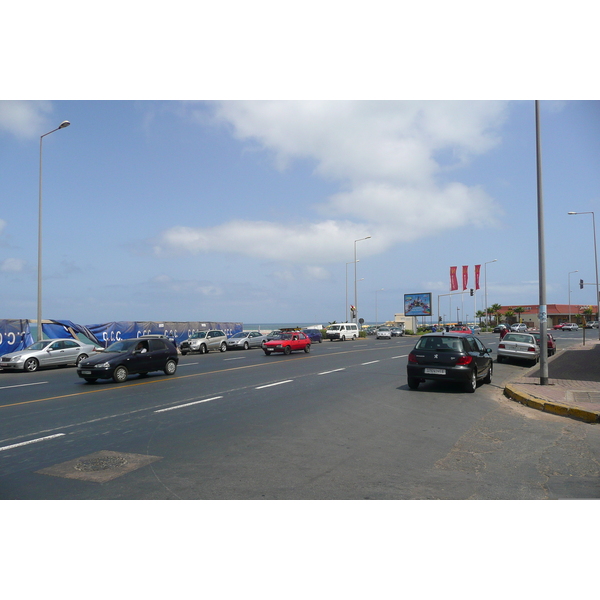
{"x":417,"y":305}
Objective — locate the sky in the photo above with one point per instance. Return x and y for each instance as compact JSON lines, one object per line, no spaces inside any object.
{"x":226,"y":175}
{"x":249,"y":210}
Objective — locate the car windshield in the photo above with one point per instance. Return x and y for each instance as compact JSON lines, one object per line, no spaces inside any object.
{"x":518,"y":337}
{"x":384,"y":329}
{"x":198,"y":335}
{"x":440,"y":344}
{"x":121,"y":346}
{"x":39,"y":345}
{"x":335,"y":328}
{"x":239,"y":335}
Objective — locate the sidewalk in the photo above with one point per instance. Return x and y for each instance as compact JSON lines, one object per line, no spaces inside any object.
{"x":573,"y":388}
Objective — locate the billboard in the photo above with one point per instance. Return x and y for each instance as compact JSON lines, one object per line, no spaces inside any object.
{"x":417,"y":305}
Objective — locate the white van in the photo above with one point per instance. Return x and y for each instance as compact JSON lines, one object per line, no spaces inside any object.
{"x":342,"y":331}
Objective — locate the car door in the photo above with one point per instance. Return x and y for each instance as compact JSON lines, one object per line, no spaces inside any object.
{"x":71,"y":350}
{"x":52,"y":355}
{"x":480,"y":355}
{"x":158,"y":354}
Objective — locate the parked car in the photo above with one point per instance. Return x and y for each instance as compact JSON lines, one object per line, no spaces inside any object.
{"x":137,"y":355}
{"x":558,"y":326}
{"x":245,"y":339}
{"x":500,"y":328}
{"x":315,"y":335}
{"x":397,"y":331}
{"x":287,"y":342}
{"x":591,"y":325}
{"x":384,"y":333}
{"x":47,"y":353}
{"x":570,"y":327}
{"x":455,"y":356}
{"x":519,"y":327}
{"x":203,"y":341}
{"x":519,"y":345}
{"x":551,"y":341}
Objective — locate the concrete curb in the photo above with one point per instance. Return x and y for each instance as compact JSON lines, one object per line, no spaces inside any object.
{"x":563,"y":410}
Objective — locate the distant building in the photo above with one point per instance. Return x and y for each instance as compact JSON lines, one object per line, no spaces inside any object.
{"x":556,"y":313}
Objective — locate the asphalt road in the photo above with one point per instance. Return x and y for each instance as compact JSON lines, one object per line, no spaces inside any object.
{"x":338,"y":423}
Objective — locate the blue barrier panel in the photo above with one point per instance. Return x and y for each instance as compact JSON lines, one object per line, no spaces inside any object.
{"x":14,"y":335}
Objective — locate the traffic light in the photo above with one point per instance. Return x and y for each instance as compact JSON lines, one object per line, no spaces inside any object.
{"x":471,"y":292}
{"x":581,"y":284}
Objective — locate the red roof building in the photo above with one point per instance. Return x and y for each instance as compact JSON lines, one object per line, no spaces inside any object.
{"x":557,"y":313}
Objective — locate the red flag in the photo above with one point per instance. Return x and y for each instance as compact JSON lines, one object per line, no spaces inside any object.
{"x":465,"y":278}
{"x":477,"y":271}
{"x":453,"y":281}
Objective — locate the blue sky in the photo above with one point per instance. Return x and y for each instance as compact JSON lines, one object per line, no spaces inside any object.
{"x":248,"y":210}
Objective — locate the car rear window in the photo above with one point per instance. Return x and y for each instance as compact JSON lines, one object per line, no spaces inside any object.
{"x":440,"y":344}
{"x":518,"y":337}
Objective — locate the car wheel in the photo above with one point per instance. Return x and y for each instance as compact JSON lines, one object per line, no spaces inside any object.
{"x":120,"y":374}
{"x":307,"y":348}
{"x":31,"y":365}
{"x":203,"y":349}
{"x":499,"y":359}
{"x":246,"y":346}
{"x":287,"y":350}
{"x":488,"y":377}
{"x":267,"y":352}
{"x":170,"y":367}
{"x":80,"y":358}
{"x":223,"y":347}
{"x":471,"y":385}
{"x":183,"y":353}
{"x":343,"y":338}
{"x":90,"y":379}
{"x":413,"y":383}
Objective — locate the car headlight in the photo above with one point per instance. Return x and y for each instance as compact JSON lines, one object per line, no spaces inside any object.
{"x":16,"y":358}
{"x":105,"y":365}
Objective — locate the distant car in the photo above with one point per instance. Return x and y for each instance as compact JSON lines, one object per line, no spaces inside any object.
{"x":591,"y":325}
{"x":203,"y":341}
{"x":397,"y":331}
{"x":551,"y":342}
{"x":570,"y":327}
{"x":558,"y":326}
{"x":287,"y":342}
{"x":500,"y":328}
{"x":47,"y":353}
{"x":384,"y":333}
{"x":455,"y":356}
{"x":342,"y":331}
{"x":133,"y":356}
{"x":245,"y":340}
{"x":519,"y":345}
{"x":519,"y":327}
{"x":315,"y":335}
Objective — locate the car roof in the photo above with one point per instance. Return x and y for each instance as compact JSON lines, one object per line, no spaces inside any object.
{"x":448,"y":334}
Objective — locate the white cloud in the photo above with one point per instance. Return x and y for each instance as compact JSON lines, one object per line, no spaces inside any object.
{"x":392,"y":160}
{"x":2,"y":225}
{"x":24,"y":119}
{"x":12,"y":265}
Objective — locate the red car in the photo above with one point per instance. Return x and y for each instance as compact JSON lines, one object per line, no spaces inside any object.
{"x":287,"y":342}
{"x":559,"y":326}
{"x":551,"y":342}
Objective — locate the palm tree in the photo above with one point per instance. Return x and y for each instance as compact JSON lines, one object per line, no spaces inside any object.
{"x":479,"y":315}
{"x":509,"y":314}
{"x":520,"y":310}
{"x":495,"y":310}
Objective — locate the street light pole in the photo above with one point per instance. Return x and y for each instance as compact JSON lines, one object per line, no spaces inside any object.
{"x":569,"y":279}
{"x":487,"y":318}
{"x":348,"y":263}
{"x":376,"y":316}
{"x":355,"y":280}
{"x":596,"y":259}
{"x":39,"y":269}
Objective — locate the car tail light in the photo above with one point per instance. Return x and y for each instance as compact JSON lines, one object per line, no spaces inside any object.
{"x":464,"y":360}
{"x":531,"y":349}
{"x":501,"y":346}
{"x":412,"y":358}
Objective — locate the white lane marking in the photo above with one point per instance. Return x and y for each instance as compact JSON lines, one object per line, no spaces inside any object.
{"x":236,"y":358}
{"x":42,"y":439}
{"x":370,"y":363}
{"x":401,"y":356}
{"x":334,"y":371}
{"x":8,"y":387}
{"x":260,"y":387}
{"x":187,"y":364}
{"x":188,"y":404}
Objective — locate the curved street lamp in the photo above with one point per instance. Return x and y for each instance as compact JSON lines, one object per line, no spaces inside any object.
{"x":355,"y":280}
{"x":39,"y":269}
{"x":569,"y":281}
{"x":596,"y":261}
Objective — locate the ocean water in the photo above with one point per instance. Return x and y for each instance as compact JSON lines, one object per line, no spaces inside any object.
{"x":268,"y":327}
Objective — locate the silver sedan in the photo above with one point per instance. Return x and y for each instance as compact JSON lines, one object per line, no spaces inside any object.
{"x":47,"y":353}
{"x":245,"y":339}
{"x":519,"y":345}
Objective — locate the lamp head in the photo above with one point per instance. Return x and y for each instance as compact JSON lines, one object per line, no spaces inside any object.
{"x":64,"y":124}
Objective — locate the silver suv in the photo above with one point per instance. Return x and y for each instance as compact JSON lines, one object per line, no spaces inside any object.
{"x":203,"y":341}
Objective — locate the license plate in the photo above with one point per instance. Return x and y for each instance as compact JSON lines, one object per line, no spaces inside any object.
{"x":86,"y":372}
{"x":435,"y":371}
